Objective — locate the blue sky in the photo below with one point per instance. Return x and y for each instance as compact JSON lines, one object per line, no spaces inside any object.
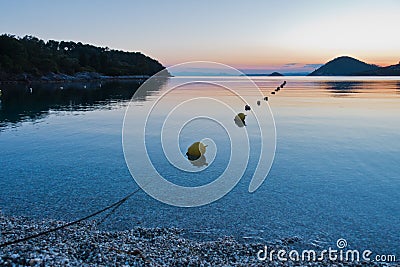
{"x":254,"y":35}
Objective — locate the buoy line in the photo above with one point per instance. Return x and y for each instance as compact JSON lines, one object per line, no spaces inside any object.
{"x":115,"y":205}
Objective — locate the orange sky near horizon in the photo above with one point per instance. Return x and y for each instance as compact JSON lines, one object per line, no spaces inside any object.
{"x":258,"y":34}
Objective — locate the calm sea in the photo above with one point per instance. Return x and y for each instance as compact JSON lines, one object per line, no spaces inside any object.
{"x":336,"y":171}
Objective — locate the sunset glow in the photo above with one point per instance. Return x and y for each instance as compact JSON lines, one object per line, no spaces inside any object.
{"x":259,"y":35}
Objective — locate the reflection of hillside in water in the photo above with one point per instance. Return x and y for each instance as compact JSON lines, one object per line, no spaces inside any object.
{"x":19,"y":103}
{"x":350,"y":88}
{"x":342,"y":88}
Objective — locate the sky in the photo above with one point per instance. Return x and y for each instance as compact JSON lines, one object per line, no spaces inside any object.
{"x":255,"y":36}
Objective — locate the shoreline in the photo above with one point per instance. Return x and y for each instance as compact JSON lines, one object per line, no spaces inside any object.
{"x":84,"y":245}
{"x":78,"y":77}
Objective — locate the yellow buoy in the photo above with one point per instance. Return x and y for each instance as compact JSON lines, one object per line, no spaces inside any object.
{"x":241,"y":116}
{"x":240,"y":120}
{"x":196,"y":150}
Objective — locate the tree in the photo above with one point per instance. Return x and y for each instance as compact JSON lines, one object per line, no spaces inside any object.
{"x":30,"y":55}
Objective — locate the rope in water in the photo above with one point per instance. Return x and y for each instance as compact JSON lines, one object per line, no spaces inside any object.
{"x":114,"y":205}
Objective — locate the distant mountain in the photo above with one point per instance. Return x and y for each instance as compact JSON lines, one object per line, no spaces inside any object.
{"x":275,"y":74}
{"x":393,"y":70}
{"x":263,"y":74}
{"x":295,"y":73}
{"x":254,"y":74}
{"x":344,"y":66}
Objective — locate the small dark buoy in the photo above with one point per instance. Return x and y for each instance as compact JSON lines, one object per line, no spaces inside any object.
{"x":272,"y":93}
{"x":258,"y":102}
{"x":247,"y":108}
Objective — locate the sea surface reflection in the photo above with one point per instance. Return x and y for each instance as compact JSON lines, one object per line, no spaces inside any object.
{"x":335,"y":173}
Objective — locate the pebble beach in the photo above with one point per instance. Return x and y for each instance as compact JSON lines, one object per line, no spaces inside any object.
{"x":84,"y":245}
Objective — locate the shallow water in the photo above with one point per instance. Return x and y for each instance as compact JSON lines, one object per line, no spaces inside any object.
{"x":335,"y":173}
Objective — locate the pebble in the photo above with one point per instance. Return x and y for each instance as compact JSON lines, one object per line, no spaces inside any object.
{"x":84,"y":245}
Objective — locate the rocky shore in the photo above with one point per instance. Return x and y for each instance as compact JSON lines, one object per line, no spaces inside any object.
{"x":84,"y":245}
{"x":60,"y":77}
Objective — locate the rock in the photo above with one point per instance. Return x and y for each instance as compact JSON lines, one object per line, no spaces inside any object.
{"x":84,"y":245}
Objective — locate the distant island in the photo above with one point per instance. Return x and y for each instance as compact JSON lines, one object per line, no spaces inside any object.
{"x":348,"y":66}
{"x":29,"y":58}
{"x":263,"y":74}
{"x":275,"y":74}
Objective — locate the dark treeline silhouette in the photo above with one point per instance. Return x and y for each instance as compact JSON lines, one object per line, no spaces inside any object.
{"x":30,"y":56}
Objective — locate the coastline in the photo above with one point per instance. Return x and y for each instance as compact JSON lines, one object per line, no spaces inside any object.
{"x":63,"y":78}
{"x":84,"y":245}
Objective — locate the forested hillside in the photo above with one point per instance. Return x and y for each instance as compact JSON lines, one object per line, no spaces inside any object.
{"x":30,"y":56}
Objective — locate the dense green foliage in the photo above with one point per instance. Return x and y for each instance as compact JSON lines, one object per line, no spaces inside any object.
{"x":30,"y":55}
